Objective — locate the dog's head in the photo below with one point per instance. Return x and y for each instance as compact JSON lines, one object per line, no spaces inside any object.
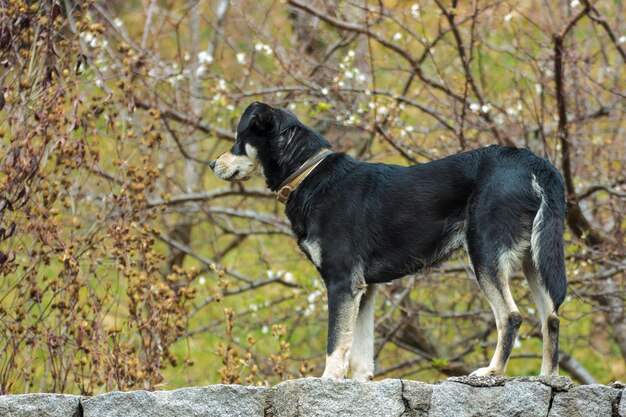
{"x":270,"y":142}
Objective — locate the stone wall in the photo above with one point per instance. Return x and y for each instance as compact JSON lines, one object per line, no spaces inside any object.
{"x":462,"y":396}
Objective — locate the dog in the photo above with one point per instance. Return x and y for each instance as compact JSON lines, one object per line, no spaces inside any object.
{"x":362,"y":224}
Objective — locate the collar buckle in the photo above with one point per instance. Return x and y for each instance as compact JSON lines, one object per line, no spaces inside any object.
{"x":283,"y":194}
{"x":292,"y":182}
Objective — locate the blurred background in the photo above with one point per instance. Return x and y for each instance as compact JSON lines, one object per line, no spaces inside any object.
{"x":125,"y":264}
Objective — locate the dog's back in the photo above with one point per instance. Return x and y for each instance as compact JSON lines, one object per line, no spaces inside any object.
{"x":369,"y":223}
{"x":400,"y":219}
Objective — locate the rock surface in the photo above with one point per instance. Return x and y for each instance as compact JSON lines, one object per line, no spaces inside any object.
{"x":459,"y":396}
{"x":512,"y":398}
{"x":417,"y":398}
{"x":586,"y":400}
{"x":214,"y":400}
{"x":332,"y":398}
{"x":40,"y":405}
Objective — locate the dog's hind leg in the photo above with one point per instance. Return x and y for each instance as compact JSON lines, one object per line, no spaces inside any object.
{"x":343,"y":307}
{"x":493,"y":280}
{"x":362,"y":355}
{"x":549,"y":318}
{"x":544,"y":267}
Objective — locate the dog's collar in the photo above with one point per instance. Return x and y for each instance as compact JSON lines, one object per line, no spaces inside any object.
{"x":292,"y":181}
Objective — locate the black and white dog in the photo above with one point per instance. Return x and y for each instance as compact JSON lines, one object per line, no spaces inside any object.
{"x":367,"y":223}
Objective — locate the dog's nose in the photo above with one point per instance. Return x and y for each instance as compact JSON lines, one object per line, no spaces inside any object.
{"x":212,"y":164}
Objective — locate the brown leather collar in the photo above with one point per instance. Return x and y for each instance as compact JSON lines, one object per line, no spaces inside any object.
{"x":292,"y":181}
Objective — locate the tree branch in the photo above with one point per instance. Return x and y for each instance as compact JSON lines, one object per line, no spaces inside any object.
{"x":575,"y":217}
{"x":181,"y":118}
{"x":204,"y":196}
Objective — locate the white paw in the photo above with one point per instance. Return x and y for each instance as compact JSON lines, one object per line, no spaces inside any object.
{"x":331,"y":373}
{"x":487,"y":371}
{"x":363,"y":376}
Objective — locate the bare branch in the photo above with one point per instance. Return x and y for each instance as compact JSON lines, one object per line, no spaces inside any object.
{"x":204,"y":196}
{"x":181,"y":118}
{"x":575,"y":217}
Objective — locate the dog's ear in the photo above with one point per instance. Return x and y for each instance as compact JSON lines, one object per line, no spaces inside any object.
{"x":258,"y":117}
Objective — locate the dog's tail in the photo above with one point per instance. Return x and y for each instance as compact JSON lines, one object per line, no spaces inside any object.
{"x":546,"y":241}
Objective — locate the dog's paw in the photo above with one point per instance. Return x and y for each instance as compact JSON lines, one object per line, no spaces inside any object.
{"x":363,"y":376}
{"x":487,"y":371}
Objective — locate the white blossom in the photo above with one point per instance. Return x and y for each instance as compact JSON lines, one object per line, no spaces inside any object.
{"x":259,"y":46}
{"x":415,"y":10}
{"x":202,"y":280}
{"x":313,"y":296}
{"x":574,"y":3}
{"x":241,"y":58}
{"x":288,"y":277}
{"x":397,"y":36}
{"x":205,"y":58}
{"x":508,"y":17}
{"x":201,"y":70}
{"x":621,"y":39}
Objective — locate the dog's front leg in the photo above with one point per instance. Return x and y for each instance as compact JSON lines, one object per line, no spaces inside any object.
{"x":343,"y":307}
{"x":362,"y":354}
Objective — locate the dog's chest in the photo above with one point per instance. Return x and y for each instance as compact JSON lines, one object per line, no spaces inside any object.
{"x":313,"y":250}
